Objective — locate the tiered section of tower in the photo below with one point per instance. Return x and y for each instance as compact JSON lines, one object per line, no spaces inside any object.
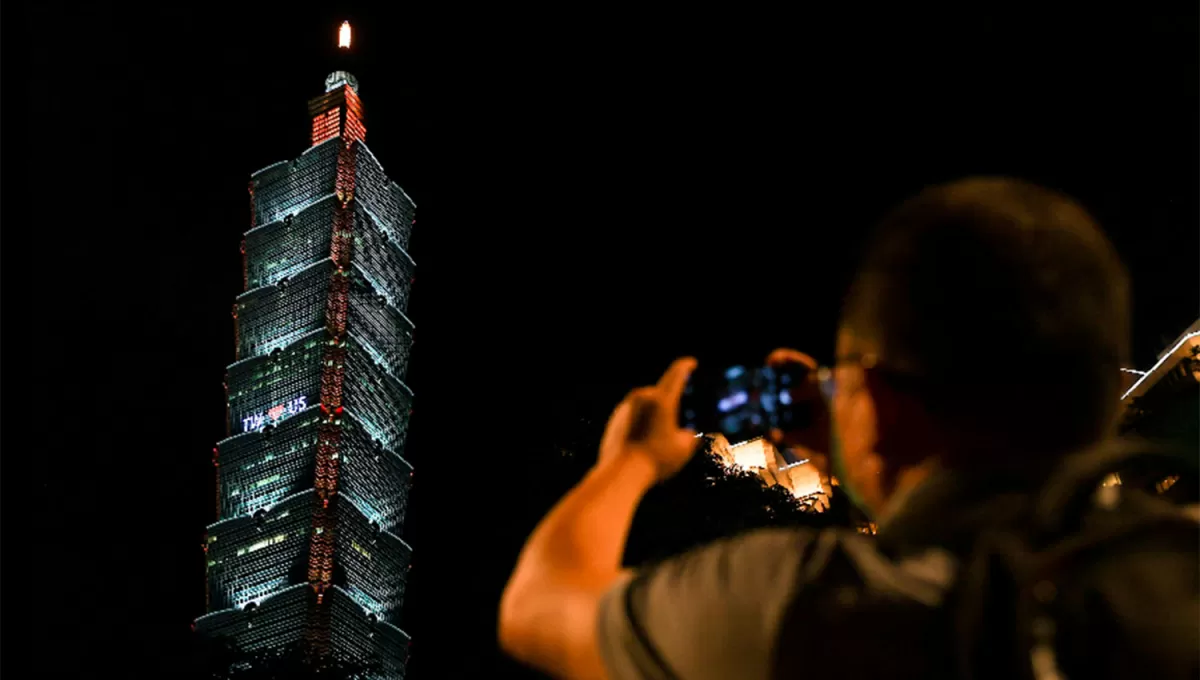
{"x":312,"y":481}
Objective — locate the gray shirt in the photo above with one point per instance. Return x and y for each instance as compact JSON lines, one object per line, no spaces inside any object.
{"x":713,"y":613}
{"x":795,"y":603}
{"x":725,"y":610}
{"x":782,"y":602}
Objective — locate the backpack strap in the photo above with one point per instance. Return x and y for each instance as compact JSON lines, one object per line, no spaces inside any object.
{"x":1061,"y":541}
{"x":1068,"y":494}
{"x":983,"y":616}
{"x":1011,"y":579}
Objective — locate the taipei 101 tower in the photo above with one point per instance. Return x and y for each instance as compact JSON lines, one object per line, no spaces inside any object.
{"x":312,"y":481}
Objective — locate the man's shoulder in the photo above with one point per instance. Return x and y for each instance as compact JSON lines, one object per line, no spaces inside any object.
{"x":766,"y":562}
{"x":767,"y":595}
{"x":713,"y":612}
{"x":860,"y":612}
{"x":781,"y":540}
{"x":838,"y":554}
{"x":795,"y":558}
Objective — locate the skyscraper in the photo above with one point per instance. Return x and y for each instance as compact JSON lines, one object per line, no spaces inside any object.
{"x":312,"y":482}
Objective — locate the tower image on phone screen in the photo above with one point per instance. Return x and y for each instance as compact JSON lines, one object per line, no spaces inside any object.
{"x":743,"y":403}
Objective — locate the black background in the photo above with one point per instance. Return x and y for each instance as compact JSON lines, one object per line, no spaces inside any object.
{"x":598,"y":192}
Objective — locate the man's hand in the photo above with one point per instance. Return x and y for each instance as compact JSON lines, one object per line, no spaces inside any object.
{"x":811,"y":442}
{"x":645,"y":425}
{"x":548,"y":614}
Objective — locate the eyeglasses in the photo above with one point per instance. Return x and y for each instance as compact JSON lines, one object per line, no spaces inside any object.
{"x":824,"y":375}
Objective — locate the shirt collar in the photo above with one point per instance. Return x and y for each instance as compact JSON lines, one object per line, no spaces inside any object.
{"x":948,"y":507}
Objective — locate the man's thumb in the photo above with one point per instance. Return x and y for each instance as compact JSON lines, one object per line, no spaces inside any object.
{"x":642,"y":413}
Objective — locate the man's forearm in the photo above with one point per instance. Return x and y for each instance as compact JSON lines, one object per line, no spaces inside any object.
{"x":572,"y":557}
{"x":586,"y":531}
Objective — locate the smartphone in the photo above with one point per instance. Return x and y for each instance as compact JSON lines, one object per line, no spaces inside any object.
{"x":743,"y":402}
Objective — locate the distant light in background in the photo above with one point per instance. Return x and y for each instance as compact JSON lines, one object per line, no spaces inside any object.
{"x":1161,"y":360}
{"x":344,"y":35}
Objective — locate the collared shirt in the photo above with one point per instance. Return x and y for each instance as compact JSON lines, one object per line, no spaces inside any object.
{"x":784,"y":602}
{"x":792,"y":603}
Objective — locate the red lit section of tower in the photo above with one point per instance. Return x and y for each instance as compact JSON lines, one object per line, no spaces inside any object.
{"x":338,"y":112}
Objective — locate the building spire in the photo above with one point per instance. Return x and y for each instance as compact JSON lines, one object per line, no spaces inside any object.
{"x":342,"y":77}
{"x":338,"y":113}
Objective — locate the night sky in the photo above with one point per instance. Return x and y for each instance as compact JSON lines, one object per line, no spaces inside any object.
{"x":596,"y":194}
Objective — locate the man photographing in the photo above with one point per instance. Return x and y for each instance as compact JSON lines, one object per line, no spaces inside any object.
{"x":979,"y":351}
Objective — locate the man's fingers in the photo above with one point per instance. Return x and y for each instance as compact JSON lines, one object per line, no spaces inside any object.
{"x":643,"y":419}
{"x":784,"y":356}
{"x":688,"y":439}
{"x":641,"y":394}
{"x":673,"y":382}
{"x":644,"y":409}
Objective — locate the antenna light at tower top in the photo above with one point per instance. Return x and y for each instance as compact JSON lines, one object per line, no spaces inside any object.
{"x":344,"y":35}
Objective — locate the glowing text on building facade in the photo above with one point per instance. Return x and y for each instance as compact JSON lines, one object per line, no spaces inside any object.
{"x":257,"y":421}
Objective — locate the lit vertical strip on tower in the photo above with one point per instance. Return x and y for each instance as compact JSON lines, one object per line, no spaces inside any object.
{"x":312,"y":482}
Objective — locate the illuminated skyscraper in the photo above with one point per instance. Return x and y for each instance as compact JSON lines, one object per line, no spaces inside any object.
{"x":311,"y":481}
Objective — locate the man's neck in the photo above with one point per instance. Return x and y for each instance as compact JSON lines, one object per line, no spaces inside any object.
{"x":905,"y":481}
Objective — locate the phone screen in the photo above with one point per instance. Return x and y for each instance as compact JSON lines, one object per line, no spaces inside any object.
{"x":743,"y":402}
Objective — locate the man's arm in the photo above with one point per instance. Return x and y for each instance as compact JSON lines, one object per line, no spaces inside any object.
{"x":548,"y":612}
